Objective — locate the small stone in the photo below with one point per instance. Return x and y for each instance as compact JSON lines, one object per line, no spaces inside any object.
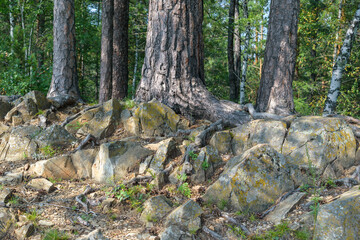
{"x":45,"y":223}
{"x":42,"y":184}
{"x":25,"y":231}
{"x":5,"y":196}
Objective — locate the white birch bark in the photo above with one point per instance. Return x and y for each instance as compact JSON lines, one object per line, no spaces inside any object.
{"x":246,"y":54}
{"x":339,"y":67}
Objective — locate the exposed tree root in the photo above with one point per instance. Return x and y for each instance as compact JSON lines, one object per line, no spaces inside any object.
{"x":89,"y":138}
{"x":70,"y":118}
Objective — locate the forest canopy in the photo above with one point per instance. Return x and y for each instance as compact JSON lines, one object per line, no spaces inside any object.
{"x":26,"y":49}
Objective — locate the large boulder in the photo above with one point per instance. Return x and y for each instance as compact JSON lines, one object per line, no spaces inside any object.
{"x":155,"y":209}
{"x":156,"y":119}
{"x":19,"y":144}
{"x":258,"y":132}
{"x":116,"y":159}
{"x":252,"y":181}
{"x":55,"y":136}
{"x":161,"y":156}
{"x":39,"y":99}
{"x":328,"y":143}
{"x":5,"y":107}
{"x":23,"y":112}
{"x":205,"y":165}
{"x":83,"y":161}
{"x":60,"y":167}
{"x":340,"y":219}
{"x":101,"y":122}
{"x":186,"y":217}
{"x":222,"y":141}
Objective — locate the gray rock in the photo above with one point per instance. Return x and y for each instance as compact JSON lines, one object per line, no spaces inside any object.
{"x":83,"y":161}
{"x":252,"y":181}
{"x":328,"y":142}
{"x":116,"y":159}
{"x":340,"y":219}
{"x":5,"y":196}
{"x":100,"y":122}
{"x":221,"y":141}
{"x":94,"y":235}
{"x":5,"y":107}
{"x":11,"y":179}
{"x":205,"y":165}
{"x":55,"y":136}
{"x":39,"y":99}
{"x":155,"y":209}
{"x":42,"y":184}
{"x":25,"y":231}
{"x":19,"y":144}
{"x":25,"y":110}
{"x":174,"y":233}
{"x":186,"y":217}
{"x":161,"y":156}
{"x":60,"y":167}
{"x":284,"y":207}
{"x":258,"y":132}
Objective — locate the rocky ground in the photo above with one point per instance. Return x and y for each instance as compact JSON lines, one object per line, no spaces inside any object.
{"x":126,"y":171}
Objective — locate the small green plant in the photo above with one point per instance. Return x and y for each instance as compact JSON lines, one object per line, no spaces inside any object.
{"x":14,"y":200}
{"x":40,"y":112}
{"x":330,"y":183}
{"x":25,"y":155}
{"x":77,"y":125}
{"x":237,"y":231}
{"x":191,"y":138}
{"x":185,"y":190}
{"x":193,"y":231}
{"x":32,"y":216}
{"x":205,"y":164}
{"x":54,"y":180}
{"x":223,"y":204}
{"x":1,"y":187}
{"x":54,"y":234}
{"x":74,"y":208}
{"x":135,"y":195}
{"x":252,"y":218}
{"x":48,"y":151}
{"x":181,"y":177}
{"x":193,"y":155}
{"x":151,"y":218}
{"x":85,"y":217}
{"x":129,"y":103}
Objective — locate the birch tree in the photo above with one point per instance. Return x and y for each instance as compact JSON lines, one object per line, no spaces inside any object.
{"x":339,"y":67}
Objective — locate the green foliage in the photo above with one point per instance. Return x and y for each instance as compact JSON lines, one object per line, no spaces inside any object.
{"x":193,"y":155}
{"x":205,"y":164}
{"x":54,"y":234}
{"x":48,"y":151}
{"x":77,"y":125}
{"x":185,"y":190}
{"x":32,"y":216}
{"x":223,"y":204}
{"x":181,"y":177}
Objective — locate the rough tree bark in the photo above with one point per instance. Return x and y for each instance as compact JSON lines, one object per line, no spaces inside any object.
{"x":275,"y":93}
{"x":237,"y":50}
{"x":64,"y":79}
{"x":246,"y":54}
{"x":234,"y":94}
{"x":173,"y":69}
{"x":339,"y":67}
{"x":120,"y":70}
{"x":106,"y":50}
{"x":337,"y":32}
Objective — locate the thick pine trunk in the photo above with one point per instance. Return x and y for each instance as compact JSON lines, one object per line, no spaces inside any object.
{"x":230,"y":52}
{"x":275,"y":94}
{"x":246,"y":54}
{"x":120,"y":70}
{"x":173,"y":69}
{"x":106,"y":51}
{"x":237,"y":50}
{"x":64,"y":79}
{"x":339,"y":67}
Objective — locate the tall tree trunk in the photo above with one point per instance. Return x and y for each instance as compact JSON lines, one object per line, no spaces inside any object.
{"x":136,"y":63}
{"x":11,"y":21}
{"x":339,"y":67}
{"x":246,"y":53}
{"x":98,"y":56}
{"x":230,"y":53}
{"x":174,"y":63}
{"x":275,"y":94}
{"x":64,"y":79}
{"x":338,"y":31}
{"x":106,"y":50}
{"x":237,"y":50}
{"x":120,"y":70}
{"x":39,"y":35}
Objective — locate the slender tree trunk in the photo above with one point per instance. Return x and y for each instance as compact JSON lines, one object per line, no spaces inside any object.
{"x":106,"y":50}
{"x":11,"y":21}
{"x":275,"y":94}
{"x":237,"y":50}
{"x":136,"y":63}
{"x":337,"y":32}
{"x":246,"y":54}
{"x":339,"y":67}
{"x":64,"y":79}
{"x":39,"y":35}
{"x":98,"y":55}
{"x":174,"y":63}
{"x":230,"y":53}
{"x":120,"y":70}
